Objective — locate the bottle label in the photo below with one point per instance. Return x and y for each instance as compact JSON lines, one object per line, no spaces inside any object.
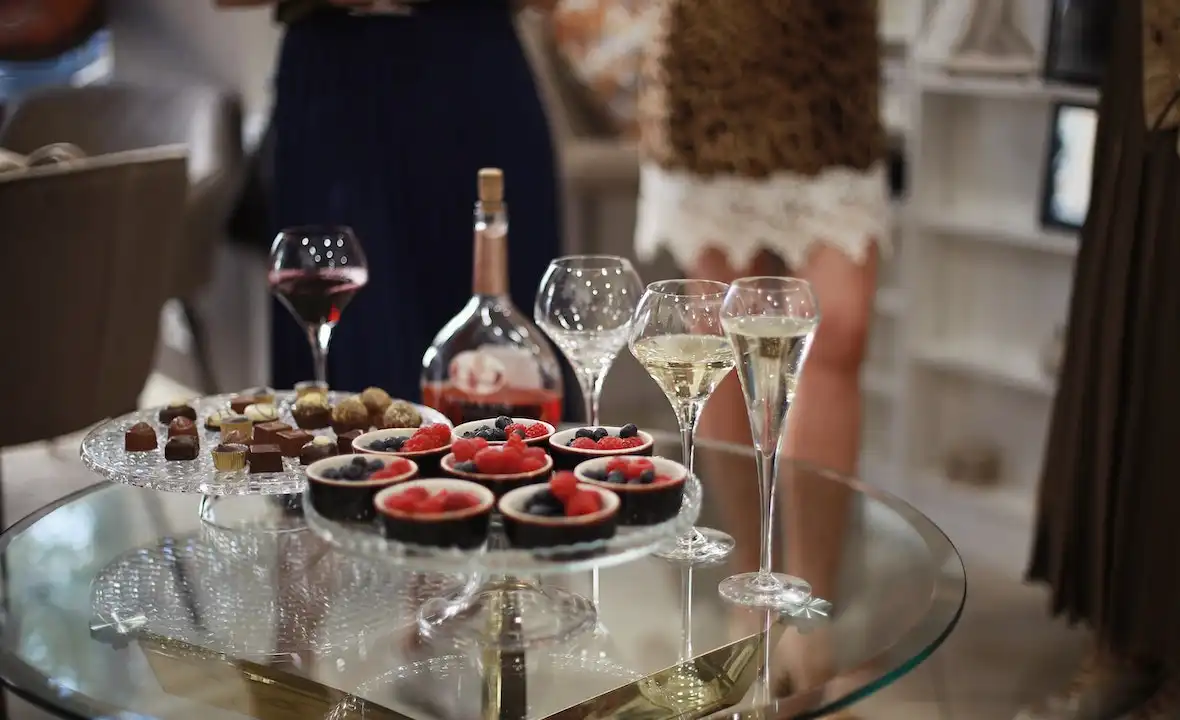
{"x":477,"y":373}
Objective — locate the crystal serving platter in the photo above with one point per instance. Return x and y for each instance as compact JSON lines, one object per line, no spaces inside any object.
{"x":496,"y":558}
{"x":102,"y":451}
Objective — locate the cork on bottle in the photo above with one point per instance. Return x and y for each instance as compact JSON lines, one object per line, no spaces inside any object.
{"x":491,"y":235}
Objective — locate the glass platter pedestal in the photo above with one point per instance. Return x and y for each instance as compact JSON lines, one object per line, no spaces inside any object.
{"x":237,"y":500}
{"x":500,"y":607}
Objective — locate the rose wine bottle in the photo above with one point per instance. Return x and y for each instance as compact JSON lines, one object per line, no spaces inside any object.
{"x":490,"y":359}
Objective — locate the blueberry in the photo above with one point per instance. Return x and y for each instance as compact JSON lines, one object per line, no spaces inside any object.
{"x":498,"y":436}
{"x":360,"y":461}
{"x":331,"y":474}
{"x":467,"y":467}
{"x":520,"y":433}
{"x":485,"y":432}
{"x":599,"y":475}
{"x":353,"y":472}
{"x":470,"y":434}
{"x":375,"y":465}
{"x":394,"y":444}
{"x":617,"y":477}
{"x":628,"y":430}
{"x":502,"y":422}
{"x":600,"y":433}
{"x":584,"y":433}
{"x":647,"y":477}
{"x":570,"y":443}
{"x":543,"y":509}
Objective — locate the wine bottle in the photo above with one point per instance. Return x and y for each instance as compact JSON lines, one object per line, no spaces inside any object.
{"x":490,"y":359}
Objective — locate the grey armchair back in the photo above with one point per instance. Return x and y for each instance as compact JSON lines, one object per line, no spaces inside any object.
{"x":86,"y":245}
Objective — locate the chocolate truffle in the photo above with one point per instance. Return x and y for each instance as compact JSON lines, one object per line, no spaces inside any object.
{"x":350,"y":414}
{"x":268,"y":433}
{"x":175,"y":410}
{"x":312,"y":411}
{"x":344,"y":441}
{"x":310,"y":386}
{"x":236,"y":423}
{"x":261,"y":413}
{"x":140,"y":437}
{"x":292,"y":441}
{"x":228,"y":457}
{"x":182,"y":447}
{"x":235,"y":437}
{"x":182,"y":426}
{"x":319,"y":448}
{"x":265,"y":459}
{"x":401,"y":414}
{"x":375,"y":400}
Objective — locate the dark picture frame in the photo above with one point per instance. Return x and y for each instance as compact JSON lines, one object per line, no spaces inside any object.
{"x":1080,"y":32}
{"x":1069,"y":165}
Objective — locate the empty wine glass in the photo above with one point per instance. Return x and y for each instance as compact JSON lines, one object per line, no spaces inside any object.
{"x":585,"y":304}
{"x":315,"y":271}
{"x":677,"y":337}
{"x":770,"y":322}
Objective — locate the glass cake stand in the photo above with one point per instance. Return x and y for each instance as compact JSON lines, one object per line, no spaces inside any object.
{"x":498,"y":608}
{"x":231,"y":499}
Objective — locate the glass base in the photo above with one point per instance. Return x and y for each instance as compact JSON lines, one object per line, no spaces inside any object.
{"x":701,"y":546}
{"x":508,"y":615}
{"x":254,"y":513}
{"x":683,"y":691}
{"x":773,"y":591}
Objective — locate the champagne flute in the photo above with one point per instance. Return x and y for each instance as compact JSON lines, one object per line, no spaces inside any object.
{"x":315,"y":271}
{"x":770,"y":322}
{"x":585,"y":304}
{"x":678,"y":338}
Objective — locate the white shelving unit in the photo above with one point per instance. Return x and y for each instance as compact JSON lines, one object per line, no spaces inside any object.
{"x":973,"y":294}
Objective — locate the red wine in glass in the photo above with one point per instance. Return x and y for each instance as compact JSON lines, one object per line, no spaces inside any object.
{"x":315,"y":272}
{"x":317,"y":297}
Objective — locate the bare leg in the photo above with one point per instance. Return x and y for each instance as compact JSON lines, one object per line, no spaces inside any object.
{"x":825,"y":422}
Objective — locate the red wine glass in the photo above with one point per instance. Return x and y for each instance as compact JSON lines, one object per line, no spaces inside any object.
{"x":315,"y":271}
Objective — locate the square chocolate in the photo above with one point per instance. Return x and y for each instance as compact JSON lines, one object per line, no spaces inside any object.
{"x":265,"y":459}
{"x":181,"y":447}
{"x":268,"y":433}
{"x":292,"y":441}
{"x":344,"y":441}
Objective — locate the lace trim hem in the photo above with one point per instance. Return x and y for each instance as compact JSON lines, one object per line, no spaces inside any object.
{"x":786,"y":213}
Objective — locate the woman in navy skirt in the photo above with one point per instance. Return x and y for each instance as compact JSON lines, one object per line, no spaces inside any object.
{"x":384,"y":113}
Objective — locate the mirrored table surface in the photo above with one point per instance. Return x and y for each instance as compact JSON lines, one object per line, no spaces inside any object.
{"x":119,"y":603}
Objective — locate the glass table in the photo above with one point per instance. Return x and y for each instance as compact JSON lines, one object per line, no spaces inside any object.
{"x":117,"y":602}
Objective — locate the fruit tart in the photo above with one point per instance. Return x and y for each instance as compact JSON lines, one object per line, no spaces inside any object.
{"x":574,"y":446}
{"x":650,"y":489}
{"x":501,"y":467}
{"x":498,"y":430}
{"x":560,"y":512}
{"x":425,"y":445}
{"x":437,"y":512}
{"x":343,"y":487}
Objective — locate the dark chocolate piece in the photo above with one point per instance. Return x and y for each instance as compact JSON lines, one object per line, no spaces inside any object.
{"x":317,"y":450}
{"x":268,"y":433}
{"x":265,"y":459}
{"x":140,"y":437}
{"x":172,"y":412}
{"x":182,"y":426}
{"x":181,"y":447}
{"x":292,"y":441}
{"x":344,"y":441}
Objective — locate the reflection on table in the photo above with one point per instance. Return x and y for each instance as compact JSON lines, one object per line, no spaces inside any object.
{"x":119,"y":601}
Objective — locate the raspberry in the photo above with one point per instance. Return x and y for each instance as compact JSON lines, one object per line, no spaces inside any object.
{"x":612,"y":443}
{"x":564,"y":485}
{"x":632,"y":442}
{"x":459,"y":501}
{"x":511,"y":457}
{"x":516,"y":429}
{"x":536,"y":430}
{"x":428,"y":437}
{"x":583,"y":502}
{"x":635,"y":468}
{"x":401,"y":502}
{"x":416,"y":493}
{"x":515,"y":441}
{"x":617,"y":465}
{"x":531,"y":464}
{"x":433,"y":505}
{"x":466,"y":448}
{"x":535,"y":453}
{"x":489,"y":461}
{"x":389,"y":472}
{"x":584,"y":443}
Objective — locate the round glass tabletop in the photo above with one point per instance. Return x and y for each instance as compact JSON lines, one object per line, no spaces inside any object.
{"x":118,"y":602}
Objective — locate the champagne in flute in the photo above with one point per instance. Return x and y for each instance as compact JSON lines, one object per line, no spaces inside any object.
{"x":770,"y":354}
{"x":687,"y":368}
{"x":678,"y":338}
{"x":770,"y":322}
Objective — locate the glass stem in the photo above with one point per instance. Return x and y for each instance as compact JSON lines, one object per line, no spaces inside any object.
{"x":319,"y":336}
{"x":686,"y":616}
{"x":766,"y":486}
{"x":591,"y":383}
{"x":687,"y":415}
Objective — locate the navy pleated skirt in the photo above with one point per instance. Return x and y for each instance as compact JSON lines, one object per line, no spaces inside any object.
{"x":381,"y":123}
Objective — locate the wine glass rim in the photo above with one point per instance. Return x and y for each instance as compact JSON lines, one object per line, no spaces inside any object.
{"x":722,"y":288}
{"x":607,"y":260}
{"x":754,"y":283}
{"x":317,"y":230}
